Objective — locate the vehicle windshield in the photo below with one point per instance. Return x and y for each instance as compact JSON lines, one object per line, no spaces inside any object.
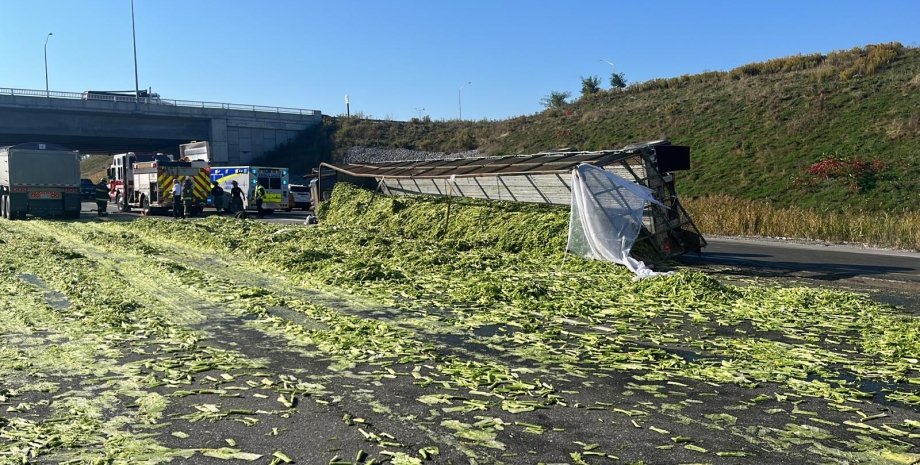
{"x":299,"y":188}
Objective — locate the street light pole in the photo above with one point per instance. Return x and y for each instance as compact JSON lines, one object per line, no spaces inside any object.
{"x":137,"y":87}
{"x":460,"y":99}
{"x":47,"y":93}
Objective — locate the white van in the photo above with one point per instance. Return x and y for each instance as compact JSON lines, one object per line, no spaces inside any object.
{"x":299,"y":197}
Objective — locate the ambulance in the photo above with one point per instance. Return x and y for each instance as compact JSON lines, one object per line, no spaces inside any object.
{"x":273,"y":179}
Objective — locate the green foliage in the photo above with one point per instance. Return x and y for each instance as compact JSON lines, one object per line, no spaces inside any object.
{"x":590,"y":85}
{"x":617,"y":80}
{"x":555,"y":99}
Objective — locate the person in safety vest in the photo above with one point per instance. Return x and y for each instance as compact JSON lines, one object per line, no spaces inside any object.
{"x":102,"y":197}
{"x":260,"y":196}
{"x":188,"y":197}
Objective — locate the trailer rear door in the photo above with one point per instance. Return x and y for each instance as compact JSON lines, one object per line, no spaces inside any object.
{"x":44,"y":168}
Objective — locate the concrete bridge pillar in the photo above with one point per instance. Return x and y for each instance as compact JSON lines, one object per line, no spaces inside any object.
{"x":219,"y":145}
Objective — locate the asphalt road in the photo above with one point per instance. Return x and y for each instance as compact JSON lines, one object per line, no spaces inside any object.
{"x":892,"y":275}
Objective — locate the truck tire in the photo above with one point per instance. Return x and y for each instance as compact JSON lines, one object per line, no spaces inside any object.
{"x":121,"y":203}
{"x":3,"y":207}
{"x":6,"y":208}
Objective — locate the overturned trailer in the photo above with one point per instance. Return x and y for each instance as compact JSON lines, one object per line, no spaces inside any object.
{"x":546,"y":177}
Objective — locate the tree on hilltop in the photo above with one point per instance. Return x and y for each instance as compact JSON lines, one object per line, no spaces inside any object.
{"x":617,"y":80}
{"x":590,"y":85}
{"x":556,"y":99}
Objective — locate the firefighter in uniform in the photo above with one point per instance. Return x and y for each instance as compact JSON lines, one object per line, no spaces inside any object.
{"x":188,"y":198}
{"x":260,"y":196}
{"x":102,"y":197}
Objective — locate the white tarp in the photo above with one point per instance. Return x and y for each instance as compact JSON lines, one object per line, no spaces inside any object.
{"x":607,"y":217}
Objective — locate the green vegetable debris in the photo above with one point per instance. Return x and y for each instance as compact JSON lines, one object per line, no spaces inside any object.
{"x":404,"y":338}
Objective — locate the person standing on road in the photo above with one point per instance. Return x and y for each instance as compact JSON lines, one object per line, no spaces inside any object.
{"x":102,"y":197}
{"x":236,"y":198}
{"x":217,"y":193}
{"x":188,"y":198}
{"x":260,"y":196}
{"x":177,"y":199}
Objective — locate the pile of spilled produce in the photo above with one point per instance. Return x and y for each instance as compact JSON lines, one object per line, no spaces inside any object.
{"x":386,"y":334}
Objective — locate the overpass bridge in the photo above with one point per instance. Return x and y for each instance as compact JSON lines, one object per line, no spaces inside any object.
{"x":107,"y":124}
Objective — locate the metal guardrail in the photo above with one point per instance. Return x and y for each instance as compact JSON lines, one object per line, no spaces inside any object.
{"x":88,"y":96}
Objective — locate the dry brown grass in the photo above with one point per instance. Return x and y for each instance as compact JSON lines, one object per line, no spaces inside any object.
{"x":915,"y":82}
{"x":724,"y":215}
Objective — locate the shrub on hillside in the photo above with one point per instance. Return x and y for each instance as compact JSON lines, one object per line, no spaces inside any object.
{"x":867,"y":61}
{"x":856,"y":173}
{"x":555,"y":99}
{"x":778,"y":65}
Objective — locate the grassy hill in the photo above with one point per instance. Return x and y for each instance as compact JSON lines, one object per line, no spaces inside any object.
{"x":832,"y":132}
{"x":94,"y":166}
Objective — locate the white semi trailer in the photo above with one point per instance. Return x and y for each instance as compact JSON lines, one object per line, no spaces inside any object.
{"x":39,"y":179}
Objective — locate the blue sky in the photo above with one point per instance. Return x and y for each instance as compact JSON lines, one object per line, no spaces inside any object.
{"x":393,"y":57}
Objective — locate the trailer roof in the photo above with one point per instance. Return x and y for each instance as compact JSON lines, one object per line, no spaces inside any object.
{"x":36,"y":146}
{"x":540,"y":163}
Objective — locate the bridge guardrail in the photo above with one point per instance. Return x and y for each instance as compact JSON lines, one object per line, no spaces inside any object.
{"x":153,"y":101}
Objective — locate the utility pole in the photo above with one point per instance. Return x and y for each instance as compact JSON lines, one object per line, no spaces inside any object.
{"x":419,"y":110}
{"x":347,"y":107}
{"x":47,"y":93}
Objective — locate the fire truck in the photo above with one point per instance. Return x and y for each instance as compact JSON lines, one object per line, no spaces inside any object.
{"x":147,"y":185}
{"x":121,"y":176}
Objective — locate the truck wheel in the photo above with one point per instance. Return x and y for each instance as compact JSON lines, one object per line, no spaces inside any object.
{"x":121,"y":204}
{"x":3,"y":207}
{"x":6,"y":209}
{"x":145,"y":204}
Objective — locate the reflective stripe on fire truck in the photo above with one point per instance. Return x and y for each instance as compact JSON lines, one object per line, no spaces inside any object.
{"x":165,"y":181}
{"x":202,"y":182}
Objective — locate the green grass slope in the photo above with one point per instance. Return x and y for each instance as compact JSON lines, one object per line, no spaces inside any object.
{"x":94,"y":166}
{"x":828,"y":132}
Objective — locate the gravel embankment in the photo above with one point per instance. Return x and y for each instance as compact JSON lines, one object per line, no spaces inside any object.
{"x":379,"y":154}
